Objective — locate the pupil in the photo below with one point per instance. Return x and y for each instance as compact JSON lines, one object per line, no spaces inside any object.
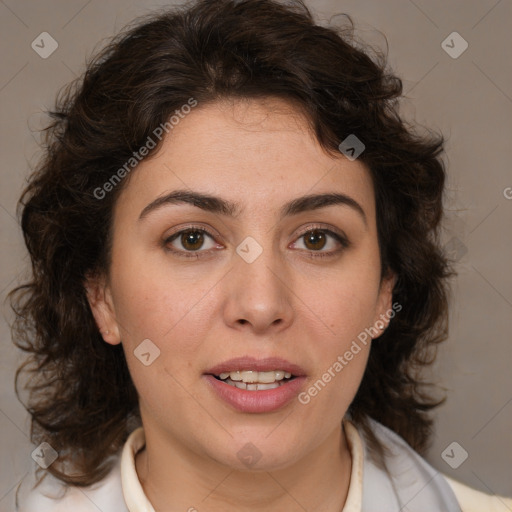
{"x":314,"y":237}
{"x":192,"y":240}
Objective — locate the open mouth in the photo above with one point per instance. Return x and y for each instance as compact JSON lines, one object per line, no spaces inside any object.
{"x":251,"y":380}
{"x":236,"y":386}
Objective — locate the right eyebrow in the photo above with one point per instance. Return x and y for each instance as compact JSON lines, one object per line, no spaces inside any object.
{"x":204,"y":201}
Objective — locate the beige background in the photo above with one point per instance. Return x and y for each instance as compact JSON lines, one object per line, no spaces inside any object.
{"x":468,"y":98}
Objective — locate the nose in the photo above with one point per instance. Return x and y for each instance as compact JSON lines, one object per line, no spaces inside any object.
{"x":258,"y":295}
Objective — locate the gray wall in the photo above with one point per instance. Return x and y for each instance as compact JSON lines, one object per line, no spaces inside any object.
{"x":468,"y":98}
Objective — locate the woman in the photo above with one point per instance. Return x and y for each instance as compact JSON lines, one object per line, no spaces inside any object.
{"x":236,"y":276}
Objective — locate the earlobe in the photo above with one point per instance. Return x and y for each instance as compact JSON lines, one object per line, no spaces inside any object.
{"x":102,"y":307}
{"x":385,"y":312}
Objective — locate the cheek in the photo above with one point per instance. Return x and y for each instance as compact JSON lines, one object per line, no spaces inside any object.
{"x":178,"y":324}
{"x":340,"y":347}
{"x":163,"y":305}
{"x":342,"y":304}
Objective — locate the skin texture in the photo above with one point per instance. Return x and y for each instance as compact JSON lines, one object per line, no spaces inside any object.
{"x":201,"y":312}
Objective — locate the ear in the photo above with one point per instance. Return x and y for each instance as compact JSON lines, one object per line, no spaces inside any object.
{"x":100,"y":301}
{"x":384,"y":311}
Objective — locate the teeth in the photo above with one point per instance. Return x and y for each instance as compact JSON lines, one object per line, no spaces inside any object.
{"x":253,"y":387}
{"x":249,"y":376}
{"x":262,"y":387}
{"x":252,"y":377}
{"x":268,"y":377}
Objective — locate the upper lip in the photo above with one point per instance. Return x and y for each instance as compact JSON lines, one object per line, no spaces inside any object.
{"x":259,"y":365}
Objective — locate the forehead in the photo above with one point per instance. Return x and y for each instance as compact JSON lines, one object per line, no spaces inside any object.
{"x":255,"y":152}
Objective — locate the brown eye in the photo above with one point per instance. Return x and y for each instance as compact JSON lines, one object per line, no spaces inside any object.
{"x":315,"y":240}
{"x":192,"y":240}
{"x":320,"y":242}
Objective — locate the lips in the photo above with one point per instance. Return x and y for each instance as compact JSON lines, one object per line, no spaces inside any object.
{"x":251,"y":399}
{"x":248,"y":363}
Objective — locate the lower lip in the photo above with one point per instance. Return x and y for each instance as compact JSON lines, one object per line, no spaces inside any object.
{"x":267,"y":400}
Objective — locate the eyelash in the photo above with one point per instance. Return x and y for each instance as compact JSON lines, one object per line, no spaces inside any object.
{"x":341,"y":239}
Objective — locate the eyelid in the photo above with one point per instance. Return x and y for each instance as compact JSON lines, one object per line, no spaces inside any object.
{"x":190,"y":227}
{"x":326,"y":228}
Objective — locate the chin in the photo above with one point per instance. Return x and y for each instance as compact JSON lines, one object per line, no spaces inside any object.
{"x":258,"y":454}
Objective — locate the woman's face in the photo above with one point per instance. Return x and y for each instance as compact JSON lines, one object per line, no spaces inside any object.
{"x":272,"y":276}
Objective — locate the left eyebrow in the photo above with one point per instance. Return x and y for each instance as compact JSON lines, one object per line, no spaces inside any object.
{"x":215,"y":204}
{"x":317,"y":201}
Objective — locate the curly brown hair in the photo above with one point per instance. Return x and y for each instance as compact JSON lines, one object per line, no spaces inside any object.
{"x":81,"y":396}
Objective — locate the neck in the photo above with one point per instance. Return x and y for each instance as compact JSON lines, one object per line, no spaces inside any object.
{"x":171,"y":475}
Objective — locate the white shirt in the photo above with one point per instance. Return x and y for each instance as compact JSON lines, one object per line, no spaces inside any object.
{"x":409,"y":484}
